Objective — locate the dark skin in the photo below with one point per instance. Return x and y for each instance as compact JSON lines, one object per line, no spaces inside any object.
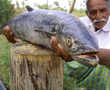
{"x":9,"y":35}
{"x":104,"y":56}
{"x":59,"y":49}
{"x":96,"y":10}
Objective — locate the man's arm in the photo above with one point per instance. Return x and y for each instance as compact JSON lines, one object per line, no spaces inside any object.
{"x":104,"y":57}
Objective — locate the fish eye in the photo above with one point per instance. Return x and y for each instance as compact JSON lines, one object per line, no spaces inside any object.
{"x":68,"y":41}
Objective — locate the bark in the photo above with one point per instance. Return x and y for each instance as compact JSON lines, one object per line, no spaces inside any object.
{"x":35,"y":68}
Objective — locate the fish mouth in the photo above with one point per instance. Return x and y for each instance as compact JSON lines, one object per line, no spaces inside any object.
{"x":88,"y":59}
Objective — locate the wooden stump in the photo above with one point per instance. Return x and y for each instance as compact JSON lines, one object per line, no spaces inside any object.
{"x":35,"y":68}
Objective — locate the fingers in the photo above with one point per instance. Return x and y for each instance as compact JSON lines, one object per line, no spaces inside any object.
{"x":64,"y":54}
{"x":53,"y":42}
{"x":56,"y":46}
{"x":9,"y":35}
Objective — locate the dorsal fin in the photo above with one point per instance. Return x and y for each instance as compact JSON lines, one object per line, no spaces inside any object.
{"x":29,"y":8}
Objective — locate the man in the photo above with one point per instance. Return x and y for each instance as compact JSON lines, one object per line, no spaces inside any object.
{"x":98,"y":22}
{"x":99,"y":16}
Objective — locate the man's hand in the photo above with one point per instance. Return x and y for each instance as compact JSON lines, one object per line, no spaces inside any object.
{"x":59,"y":49}
{"x":9,"y":35}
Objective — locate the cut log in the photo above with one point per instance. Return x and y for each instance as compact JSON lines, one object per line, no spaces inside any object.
{"x":35,"y":68}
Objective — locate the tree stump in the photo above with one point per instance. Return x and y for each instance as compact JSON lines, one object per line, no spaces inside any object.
{"x":35,"y":68}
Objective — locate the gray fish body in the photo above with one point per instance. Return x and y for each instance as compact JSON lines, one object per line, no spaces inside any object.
{"x":26,"y":25}
{"x":38,"y":26}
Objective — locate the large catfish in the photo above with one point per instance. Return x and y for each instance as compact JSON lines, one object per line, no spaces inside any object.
{"x":38,"y":26}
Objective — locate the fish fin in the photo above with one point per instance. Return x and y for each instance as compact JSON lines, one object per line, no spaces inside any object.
{"x":48,"y":33}
{"x":29,"y":8}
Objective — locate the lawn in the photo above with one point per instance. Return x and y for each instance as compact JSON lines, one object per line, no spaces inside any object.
{"x":4,"y":60}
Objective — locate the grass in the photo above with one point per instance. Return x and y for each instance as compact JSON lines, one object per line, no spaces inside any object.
{"x":4,"y":60}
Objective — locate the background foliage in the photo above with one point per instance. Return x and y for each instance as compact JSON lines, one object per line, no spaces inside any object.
{"x":6,"y":11}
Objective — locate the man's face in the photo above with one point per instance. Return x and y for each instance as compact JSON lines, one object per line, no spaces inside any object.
{"x":98,"y":13}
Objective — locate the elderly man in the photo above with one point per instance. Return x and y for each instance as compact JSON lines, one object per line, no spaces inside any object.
{"x":98,"y":21}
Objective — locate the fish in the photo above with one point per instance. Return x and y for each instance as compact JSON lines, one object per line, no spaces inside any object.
{"x":29,"y":8}
{"x":38,"y":26}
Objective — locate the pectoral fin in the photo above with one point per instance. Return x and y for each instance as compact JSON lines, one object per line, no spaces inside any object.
{"x":46,"y":32}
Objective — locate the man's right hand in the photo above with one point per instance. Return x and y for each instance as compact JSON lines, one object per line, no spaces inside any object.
{"x":56,"y":46}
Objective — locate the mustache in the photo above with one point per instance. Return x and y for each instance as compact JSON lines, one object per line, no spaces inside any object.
{"x":99,"y":20}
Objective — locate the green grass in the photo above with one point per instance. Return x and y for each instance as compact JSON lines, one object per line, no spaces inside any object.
{"x":4,"y":60}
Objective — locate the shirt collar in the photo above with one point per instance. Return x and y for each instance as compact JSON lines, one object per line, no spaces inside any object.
{"x":106,"y":28}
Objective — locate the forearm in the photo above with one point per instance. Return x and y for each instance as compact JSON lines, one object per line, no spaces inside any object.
{"x":104,"y":57}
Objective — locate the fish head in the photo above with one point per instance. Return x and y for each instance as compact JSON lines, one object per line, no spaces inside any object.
{"x":79,"y":50}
